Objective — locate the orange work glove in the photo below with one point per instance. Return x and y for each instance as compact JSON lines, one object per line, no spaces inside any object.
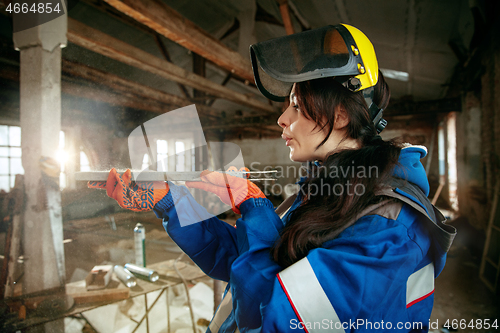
{"x":231,"y":190}
{"x":143,"y":196}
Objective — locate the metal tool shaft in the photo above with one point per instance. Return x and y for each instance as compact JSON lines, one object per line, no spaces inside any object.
{"x":171,"y":176}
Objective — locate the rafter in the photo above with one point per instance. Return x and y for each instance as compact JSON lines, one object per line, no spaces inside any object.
{"x":119,"y":91}
{"x":130,"y":89}
{"x":403,"y":108}
{"x":256,"y":122}
{"x":166,"y":21}
{"x":285,"y":15}
{"x":166,"y":55}
{"x":97,"y":41}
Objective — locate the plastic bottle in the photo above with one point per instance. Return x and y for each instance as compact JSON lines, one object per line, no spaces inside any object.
{"x":140,"y":245}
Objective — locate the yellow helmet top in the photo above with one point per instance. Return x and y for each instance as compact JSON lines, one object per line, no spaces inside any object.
{"x":368,"y":69}
{"x":341,"y":51}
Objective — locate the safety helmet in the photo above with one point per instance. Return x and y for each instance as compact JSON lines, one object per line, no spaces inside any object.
{"x":340,"y":51}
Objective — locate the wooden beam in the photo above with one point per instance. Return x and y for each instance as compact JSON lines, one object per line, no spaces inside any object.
{"x":135,"y":102}
{"x":412,"y":125}
{"x":6,"y":72}
{"x":127,"y":93}
{"x":263,"y":16}
{"x":166,"y":21}
{"x":199,"y":68}
{"x":105,"y":295}
{"x":285,"y":15}
{"x":402,"y":108}
{"x":247,"y":121}
{"x":165,"y":53}
{"x":129,"y":90}
{"x":96,"y":41}
{"x":224,"y":82}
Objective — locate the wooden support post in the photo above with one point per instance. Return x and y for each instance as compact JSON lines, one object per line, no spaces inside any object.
{"x":224,"y":82}
{"x":199,"y":68}
{"x":285,"y":15}
{"x":165,"y":53}
{"x":40,"y":106}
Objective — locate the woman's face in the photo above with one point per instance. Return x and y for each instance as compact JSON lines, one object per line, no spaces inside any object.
{"x":302,"y":135}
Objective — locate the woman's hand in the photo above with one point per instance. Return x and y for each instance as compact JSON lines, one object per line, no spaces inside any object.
{"x":143,"y":196}
{"x":230,"y":189}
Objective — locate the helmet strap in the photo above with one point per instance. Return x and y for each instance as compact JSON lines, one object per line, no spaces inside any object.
{"x":353,"y":84}
{"x":376,"y":114}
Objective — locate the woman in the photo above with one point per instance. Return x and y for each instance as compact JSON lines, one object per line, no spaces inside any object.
{"x":359,"y":247}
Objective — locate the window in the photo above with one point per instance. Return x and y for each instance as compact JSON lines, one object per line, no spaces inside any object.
{"x":179,"y":160}
{"x":84,"y":161}
{"x":180,"y":153}
{"x":145,"y":162}
{"x":10,"y":156}
{"x":193,"y":157}
{"x":162,"y":155}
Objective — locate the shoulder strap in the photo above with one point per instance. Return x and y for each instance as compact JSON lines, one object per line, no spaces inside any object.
{"x":283,"y":208}
{"x":441,"y":232}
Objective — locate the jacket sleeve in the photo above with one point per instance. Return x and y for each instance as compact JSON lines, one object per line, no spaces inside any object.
{"x":208,"y":241}
{"x":362,"y":273}
{"x":253,"y":272}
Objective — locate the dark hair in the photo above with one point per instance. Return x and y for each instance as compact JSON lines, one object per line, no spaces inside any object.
{"x":324,"y":214}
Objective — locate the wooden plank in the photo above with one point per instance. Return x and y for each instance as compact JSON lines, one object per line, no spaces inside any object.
{"x":404,"y":108}
{"x":166,"y":21}
{"x":131,"y":88}
{"x":247,"y":122}
{"x":99,"y":42}
{"x":130,"y":94}
{"x":103,"y":295}
{"x":285,"y":15}
{"x":165,"y":53}
{"x":96,"y":94}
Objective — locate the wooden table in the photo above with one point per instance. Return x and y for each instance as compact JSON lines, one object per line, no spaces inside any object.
{"x":114,"y":292}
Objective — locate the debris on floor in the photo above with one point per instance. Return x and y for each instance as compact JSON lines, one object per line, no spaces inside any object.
{"x":122,"y":317}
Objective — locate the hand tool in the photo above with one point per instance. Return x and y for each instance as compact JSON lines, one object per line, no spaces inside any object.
{"x":148,"y":176}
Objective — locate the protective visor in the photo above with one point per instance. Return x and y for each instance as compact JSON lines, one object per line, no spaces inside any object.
{"x":325,"y":52}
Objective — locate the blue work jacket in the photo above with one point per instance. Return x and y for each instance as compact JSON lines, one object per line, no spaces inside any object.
{"x":377,"y":275}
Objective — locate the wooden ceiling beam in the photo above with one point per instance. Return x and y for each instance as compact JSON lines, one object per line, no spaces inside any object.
{"x":422,"y":113}
{"x":122,"y":92}
{"x":131,"y":88}
{"x":166,"y":55}
{"x":135,"y":102}
{"x":256,"y":122}
{"x":99,"y":42}
{"x":404,"y":108}
{"x":285,"y":15}
{"x":69,"y":87}
{"x":166,"y":21}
